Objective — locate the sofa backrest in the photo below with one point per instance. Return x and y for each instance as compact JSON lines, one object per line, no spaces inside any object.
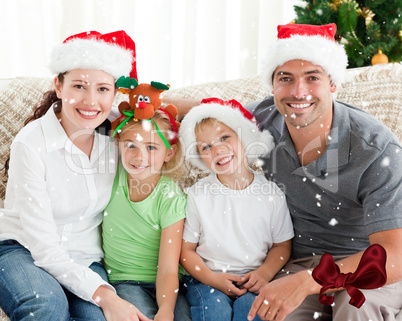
{"x":376,"y":89}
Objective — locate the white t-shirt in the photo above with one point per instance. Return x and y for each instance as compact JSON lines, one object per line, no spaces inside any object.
{"x":235,"y":229}
{"x":55,"y":199}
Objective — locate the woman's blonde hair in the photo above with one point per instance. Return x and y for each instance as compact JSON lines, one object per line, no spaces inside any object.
{"x":174,"y":168}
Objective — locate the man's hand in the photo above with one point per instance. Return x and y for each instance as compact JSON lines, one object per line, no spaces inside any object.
{"x":280,"y":297}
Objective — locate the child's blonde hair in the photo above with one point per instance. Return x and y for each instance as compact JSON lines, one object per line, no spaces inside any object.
{"x":174,"y":167}
{"x":206,"y":121}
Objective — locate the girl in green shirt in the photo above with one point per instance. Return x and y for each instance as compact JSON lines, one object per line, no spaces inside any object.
{"x":143,"y":222}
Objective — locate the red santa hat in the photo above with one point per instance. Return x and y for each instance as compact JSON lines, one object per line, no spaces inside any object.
{"x":112,"y":52}
{"x":307,"y":42}
{"x":232,"y":114}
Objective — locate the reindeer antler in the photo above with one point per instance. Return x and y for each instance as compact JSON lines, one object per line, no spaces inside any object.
{"x":159,"y":85}
{"x":127,"y":82}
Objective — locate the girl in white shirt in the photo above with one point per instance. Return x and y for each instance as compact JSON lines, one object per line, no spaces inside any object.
{"x":61,"y":174}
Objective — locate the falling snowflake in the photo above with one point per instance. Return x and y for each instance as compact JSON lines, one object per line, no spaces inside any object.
{"x":385,"y":162}
{"x":259,"y":162}
{"x":333,"y":222}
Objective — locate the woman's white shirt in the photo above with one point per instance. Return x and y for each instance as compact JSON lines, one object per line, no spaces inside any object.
{"x":55,"y":199}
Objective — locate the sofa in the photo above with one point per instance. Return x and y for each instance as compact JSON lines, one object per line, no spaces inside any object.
{"x":376,"y":89}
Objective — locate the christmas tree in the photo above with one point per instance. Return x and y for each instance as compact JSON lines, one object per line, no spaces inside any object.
{"x":363,"y":27}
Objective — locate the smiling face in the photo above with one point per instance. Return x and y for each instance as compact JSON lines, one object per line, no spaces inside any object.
{"x":221,"y":149}
{"x":87,"y":96}
{"x":302,"y":93}
{"x":143,"y":152}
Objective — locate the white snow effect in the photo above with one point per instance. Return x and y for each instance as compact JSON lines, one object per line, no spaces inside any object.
{"x":317,"y":315}
{"x":259,"y":162}
{"x":318,"y":196}
{"x":72,"y":101}
{"x":385,"y":162}
{"x":333,"y":222}
{"x":197,"y":268}
{"x":147,"y":125}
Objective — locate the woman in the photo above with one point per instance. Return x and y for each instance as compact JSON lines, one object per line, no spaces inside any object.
{"x":61,"y":175}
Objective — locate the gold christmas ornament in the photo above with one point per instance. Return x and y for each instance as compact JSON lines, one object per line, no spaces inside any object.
{"x":379,"y":58}
{"x":335,"y":4}
{"x":368,"y":15}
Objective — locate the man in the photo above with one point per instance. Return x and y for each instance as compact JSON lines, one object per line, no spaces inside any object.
{"x":341,"y":171}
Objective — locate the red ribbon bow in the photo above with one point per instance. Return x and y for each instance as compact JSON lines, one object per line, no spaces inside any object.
{"x":370,"y":274}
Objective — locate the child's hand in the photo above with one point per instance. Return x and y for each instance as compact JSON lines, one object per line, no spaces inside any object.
{"x":254,"y":281}
{"x":224,"y":283}
{"x":161,"y":316}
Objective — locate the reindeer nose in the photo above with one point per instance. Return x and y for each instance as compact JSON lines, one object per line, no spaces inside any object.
{"x":142,"y":105}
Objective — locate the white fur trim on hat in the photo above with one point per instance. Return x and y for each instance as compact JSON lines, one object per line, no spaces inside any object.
{"x":255,"y":142}
{"x":320,"y":51}
{"x":91,"y":54}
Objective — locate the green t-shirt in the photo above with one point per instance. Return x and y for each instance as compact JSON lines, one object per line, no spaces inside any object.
{"x":132,"y":230}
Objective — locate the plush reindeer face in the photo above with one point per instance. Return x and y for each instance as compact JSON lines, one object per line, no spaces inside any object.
{"x":144,"y":99}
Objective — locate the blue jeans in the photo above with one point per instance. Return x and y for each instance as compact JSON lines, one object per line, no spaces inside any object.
{"x":207,"y":303}
{"x":29,"y":293}
{"x":143,"y":296}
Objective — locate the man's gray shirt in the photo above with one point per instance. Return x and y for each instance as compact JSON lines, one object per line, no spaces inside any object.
{"x":351,"y":191}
